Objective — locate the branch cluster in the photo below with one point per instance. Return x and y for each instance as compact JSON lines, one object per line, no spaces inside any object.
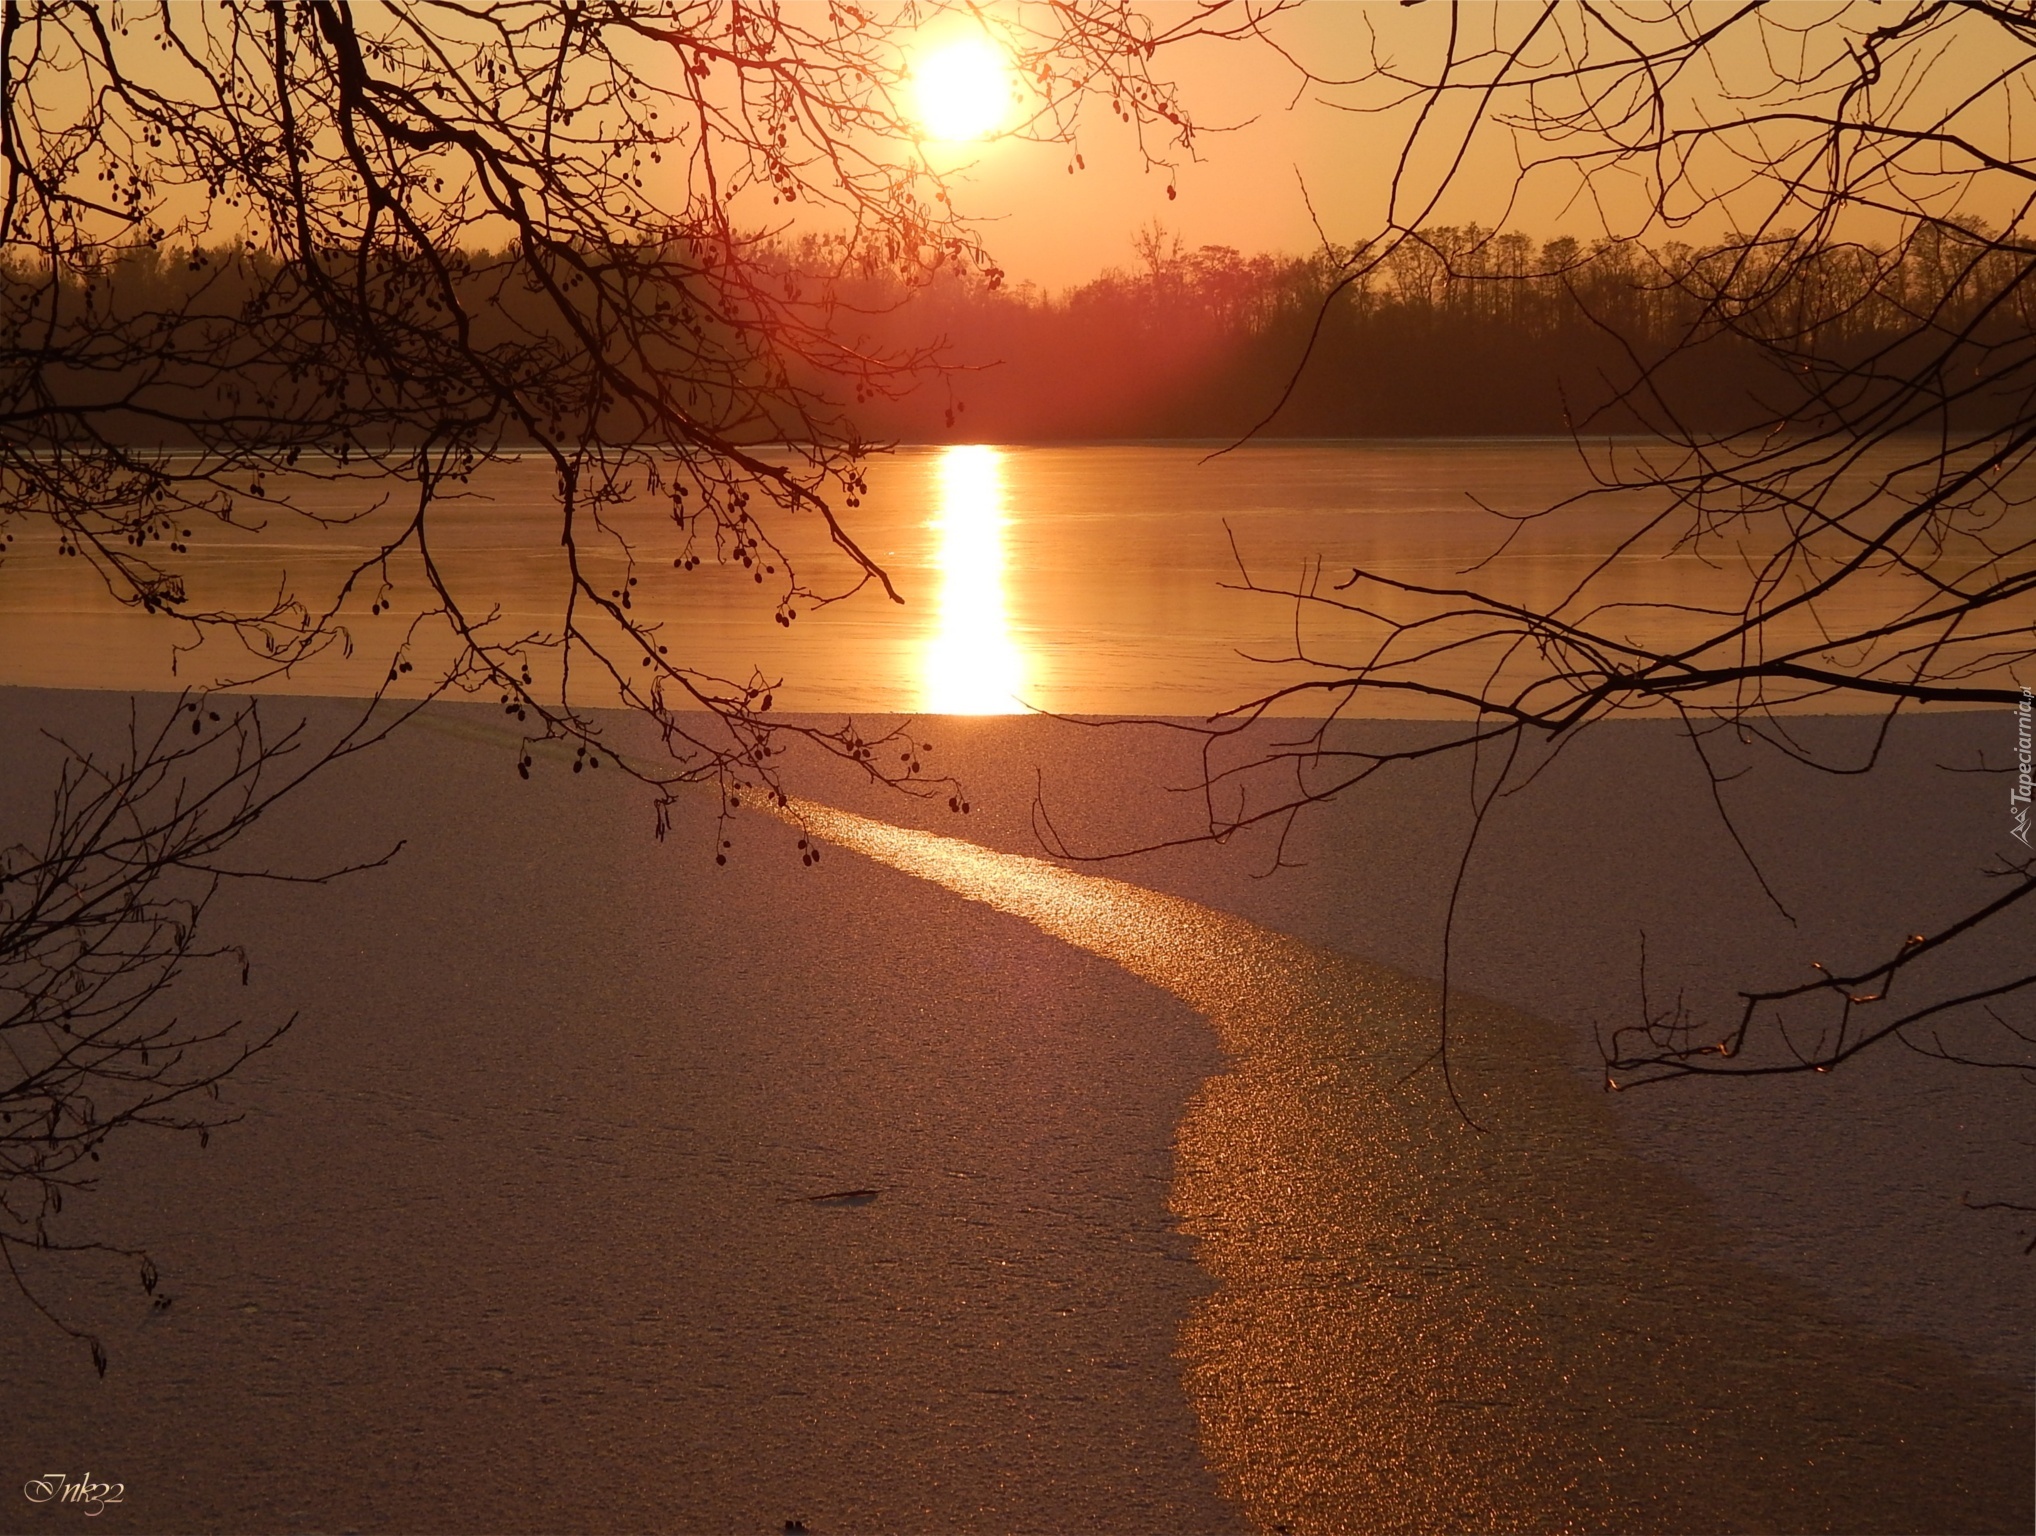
{"x":98,"y":921}
{"x":267,"y":261}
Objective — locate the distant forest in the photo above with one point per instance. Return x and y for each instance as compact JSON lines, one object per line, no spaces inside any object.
{"x":1457,"y":331}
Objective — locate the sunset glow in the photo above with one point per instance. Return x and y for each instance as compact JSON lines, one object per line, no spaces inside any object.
{"x":961,"y":90}
{"x":973,"y":666}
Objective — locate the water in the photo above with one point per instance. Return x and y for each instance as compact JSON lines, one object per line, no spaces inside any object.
{"x":1101,"y":579}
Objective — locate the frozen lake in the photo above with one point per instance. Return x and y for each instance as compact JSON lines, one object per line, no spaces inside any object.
{"x":534,"y":1221}
{"x":1092,"y":579}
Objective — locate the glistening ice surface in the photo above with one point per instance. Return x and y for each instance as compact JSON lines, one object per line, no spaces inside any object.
{"x":521,"y":1217}
{"x":1481,"y":1315}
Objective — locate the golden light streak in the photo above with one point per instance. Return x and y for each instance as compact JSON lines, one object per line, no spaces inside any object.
{"x":973,"y":665}
{"x":1423,"y":1326}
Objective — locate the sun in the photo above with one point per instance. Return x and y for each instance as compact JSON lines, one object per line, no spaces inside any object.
{"x":961,"y":90}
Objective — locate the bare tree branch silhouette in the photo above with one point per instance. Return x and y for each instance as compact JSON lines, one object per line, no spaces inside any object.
{"x":294,"y":268}
{"x":98,"y":924}
{"x":1859,"y":184}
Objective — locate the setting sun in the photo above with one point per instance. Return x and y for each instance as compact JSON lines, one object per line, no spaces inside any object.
{"x":961,"y":89}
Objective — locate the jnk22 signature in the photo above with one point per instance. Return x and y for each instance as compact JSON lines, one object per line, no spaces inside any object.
{"x":90,"y":1497}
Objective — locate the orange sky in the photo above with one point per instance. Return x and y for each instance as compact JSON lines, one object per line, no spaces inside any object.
{"x":1246,"y":189}
{"x":1265,"y":132}
{"x":1055,"y":229}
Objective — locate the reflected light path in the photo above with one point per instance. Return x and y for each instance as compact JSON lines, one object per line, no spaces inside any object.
{"x":1419,"y":1326}
{"x":972,"y":664}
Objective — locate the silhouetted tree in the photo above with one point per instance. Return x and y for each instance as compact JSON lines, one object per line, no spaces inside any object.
{"x":285,"y":262}
{"x":99,"y":920}
{"x":1867,"y":514}
{"x":250,"y":247}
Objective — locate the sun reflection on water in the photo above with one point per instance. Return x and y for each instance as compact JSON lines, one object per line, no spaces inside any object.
{"x":973,"y":666}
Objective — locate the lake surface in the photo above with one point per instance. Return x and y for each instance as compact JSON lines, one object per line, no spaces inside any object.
{"x":1093,"y":579}
{"x":535,"y":1223}
{"x":539,"y":1214}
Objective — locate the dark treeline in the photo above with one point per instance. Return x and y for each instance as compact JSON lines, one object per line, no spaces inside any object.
{"x":228,"y":348}
{"x":1457,"y":331}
